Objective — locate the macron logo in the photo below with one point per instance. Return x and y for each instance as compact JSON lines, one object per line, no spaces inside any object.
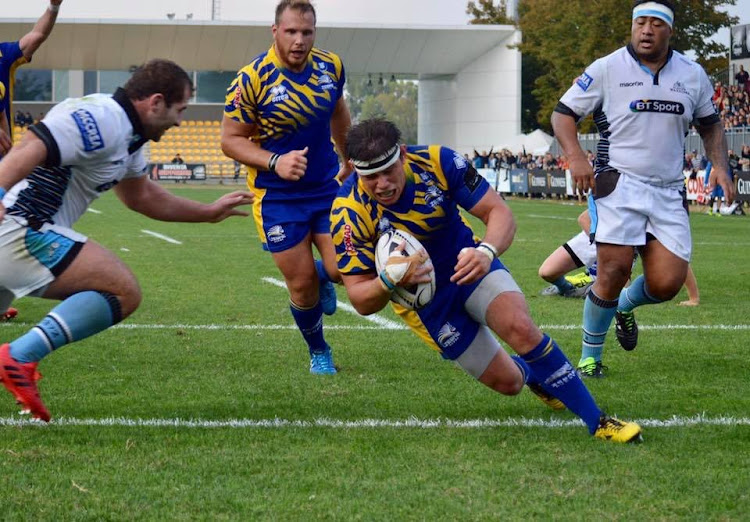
{"x":92,"y":138}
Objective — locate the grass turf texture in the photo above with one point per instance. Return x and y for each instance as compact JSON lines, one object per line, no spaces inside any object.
{"x":308,"y":470}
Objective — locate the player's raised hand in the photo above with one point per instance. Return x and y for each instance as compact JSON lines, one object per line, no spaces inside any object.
{"x":292,"y":165}
{"x":583,"y":174}
{"x":225,"y":206}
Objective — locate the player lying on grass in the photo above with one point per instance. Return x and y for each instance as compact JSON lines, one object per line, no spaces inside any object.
{"x":419,"y":190}
{"x":82,"y":148}
{"x":576,"y":253}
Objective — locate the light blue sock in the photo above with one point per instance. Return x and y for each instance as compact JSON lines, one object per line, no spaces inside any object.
{"x":310,"y":324}
{"x":563,"y":284}
{"x":597,"y":318}
{"x":79,"y":316}
{"x":558,"y":377}
{"x":635,"y":295}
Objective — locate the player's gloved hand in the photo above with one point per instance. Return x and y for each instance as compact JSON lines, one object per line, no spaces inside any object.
{"x":403,"y":270}
{"x":292,"y":165}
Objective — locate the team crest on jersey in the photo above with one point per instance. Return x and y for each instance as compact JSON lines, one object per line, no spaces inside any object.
{"x":326,"y":82}
{"x":448,"y":335}
{"x":322,"y":66}
{"x":433,"y":196}
{"x":276,"y":234}
{"x":89,"y":129}
{"x":384,"y":225}
{"x":679,"y":87}
{"x":584,"y":81}
{"x":279,"y":94}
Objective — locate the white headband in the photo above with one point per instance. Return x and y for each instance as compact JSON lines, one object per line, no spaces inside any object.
{"x":655,"y":10}
{"x":375,"y":165}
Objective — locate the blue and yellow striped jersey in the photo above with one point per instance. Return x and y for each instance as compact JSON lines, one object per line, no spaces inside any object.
{"x":438,"y":181}
{"x":10,"y":58}
{"x":291,"y":111}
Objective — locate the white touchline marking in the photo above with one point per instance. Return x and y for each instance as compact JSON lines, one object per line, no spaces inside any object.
{"x":93,"y":210}
{"x":676,"y":421}
{"x":162,"y":236}
{"x":382,"y":321}
{"x":125,"y":249}
{"x":550,"y":217}
{"x":392,"y":326}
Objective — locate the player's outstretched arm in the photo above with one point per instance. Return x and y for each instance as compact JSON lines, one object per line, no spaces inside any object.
{"x":151,"y":199}
{"x":32,"y":40}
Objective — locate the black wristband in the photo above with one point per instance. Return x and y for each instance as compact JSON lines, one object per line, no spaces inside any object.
{"x":273,"y":161}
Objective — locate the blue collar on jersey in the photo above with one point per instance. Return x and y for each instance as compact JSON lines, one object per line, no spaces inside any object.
{"x":138,"y":140}
{"x":632,"y":53}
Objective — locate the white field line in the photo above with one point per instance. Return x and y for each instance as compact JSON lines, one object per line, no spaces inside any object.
{"x":162,"y":236}
{"x":561,"y":218}
{"x":412,"y":422}
{"x":390,"y":325}
{"x":380,"y":321}
{"x":93,"y":210}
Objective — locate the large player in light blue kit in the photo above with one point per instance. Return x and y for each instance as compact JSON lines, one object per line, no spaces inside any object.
{"x":419,"y":189}
{"x":82,"y":148}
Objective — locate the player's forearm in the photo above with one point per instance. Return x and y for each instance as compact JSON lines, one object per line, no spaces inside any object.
{"x":21,"y":160}
{"x":501,"y":229}
{"x":341,"y":122}
{"x":247,"y":152}
{"x":41,"y":31}
{"x":715,"y":142}
{"x":367,"y":296}
{"x":152,"y":200}
{"x":566,"y":132}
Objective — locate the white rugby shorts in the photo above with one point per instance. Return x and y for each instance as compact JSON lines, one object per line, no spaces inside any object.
{"x":625,"y":210}
{"x":581,"y":249}
{"x":31,"y":259}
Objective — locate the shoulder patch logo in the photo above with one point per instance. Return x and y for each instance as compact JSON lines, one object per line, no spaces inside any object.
{"x":89,"y":129}
{"x":584,"y":81}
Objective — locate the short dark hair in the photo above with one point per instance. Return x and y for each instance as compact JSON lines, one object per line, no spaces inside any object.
{"x":303,"y":6}
{"x":371,"y":138}
{"x":159,"y":76}
{"x":667,"y":3}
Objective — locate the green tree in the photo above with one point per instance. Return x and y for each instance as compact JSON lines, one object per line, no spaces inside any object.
{"x":395,"y":100}
{"x":565,"y":37}
{"x":487,"y":12}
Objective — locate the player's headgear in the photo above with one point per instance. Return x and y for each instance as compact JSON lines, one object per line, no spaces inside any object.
{"x":661,"y":9}
{"x":373,"y":146}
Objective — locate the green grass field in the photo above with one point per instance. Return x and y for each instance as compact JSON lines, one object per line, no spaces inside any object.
{"x":200,"y":406}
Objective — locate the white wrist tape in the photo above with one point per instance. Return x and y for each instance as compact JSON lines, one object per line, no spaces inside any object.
{"x":54,"y":8}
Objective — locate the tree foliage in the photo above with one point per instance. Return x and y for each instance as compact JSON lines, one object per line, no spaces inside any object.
{"x":565,"y":37}
{"x":395,"y":100}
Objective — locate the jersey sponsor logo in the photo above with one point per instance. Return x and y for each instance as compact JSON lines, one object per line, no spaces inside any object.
{"x":433,"y":196}
{"x":584,"y":81}
{"x":276,"y":234}
{"x":679,"y":87}
{"x":279,"y":94}
{"x":659,"y":106}
{"x":348,"y":246}
{"x":92,"y":137}
{"x":448,"y":335}
{"x":237,"y":97}
{"x":631,"y":84}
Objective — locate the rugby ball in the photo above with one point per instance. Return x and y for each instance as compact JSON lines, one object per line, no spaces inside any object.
{"x":412,"y":297}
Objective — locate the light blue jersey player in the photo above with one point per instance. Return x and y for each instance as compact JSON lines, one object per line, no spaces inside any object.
{"x":420,"y":190}
{"x":283,"y":113}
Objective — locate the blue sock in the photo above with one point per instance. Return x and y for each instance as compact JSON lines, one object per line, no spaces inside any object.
{"x":77,"y":317}
{"x":310,"y":323}
{"x":563,"y":284}
{"x":528,"y":374}
{"x":635,"y":295}
{"x":322,"y":274}
{"x":597,"y":318}
{"x":558,"y":377}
